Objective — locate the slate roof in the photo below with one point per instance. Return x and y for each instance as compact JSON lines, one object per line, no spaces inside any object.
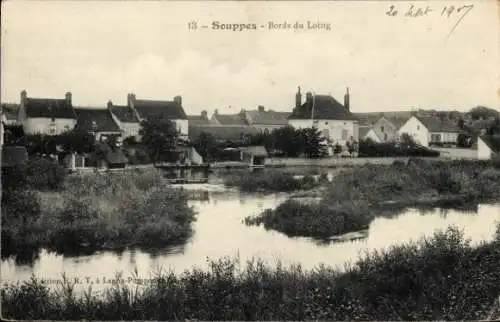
{"x":13,"y":155}
{"x":49,"y":108}
{"x":198,"y":120}
{"x":124,"y":113}
{"x":166,"y":109}
{"x":222,"y":132}
{"x":326,"y":108}
{"x":363,"y":131}
{"x":397,"y":121}
{"x":10,"y":111}
{"x":231,"y":119}
{"x":269,"y":117}
{"x":101,"y":116}
{"x":372,"y":117}
{"x":492,"y":141}
{"x":435,"y":124}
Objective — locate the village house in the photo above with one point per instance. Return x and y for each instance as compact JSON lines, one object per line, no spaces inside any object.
{"x":97,"y":121}
{"x":431,"y":130}
{"x":367,"y":132}
{"x":202,"y":119}
{"x":171,"y":110}
{"x":334,"y":120}
{"x":266,"y":121}
{"x":10,"y":113}
{"x":229,"y":119}
{"x":386,"y":128}
{"x":488,"y":147}
{"x":46,"y":115}
{"x":126,"y":118}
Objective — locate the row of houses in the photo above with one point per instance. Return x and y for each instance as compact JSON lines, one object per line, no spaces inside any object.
{"x":54,"y":116}
{"x":335,"y":120}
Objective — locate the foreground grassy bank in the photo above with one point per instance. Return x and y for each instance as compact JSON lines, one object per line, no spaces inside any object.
{"x":356,"y":196}
{"x":440,"y":278}
{"x":94,"y":212}
{"x":272,"y":180}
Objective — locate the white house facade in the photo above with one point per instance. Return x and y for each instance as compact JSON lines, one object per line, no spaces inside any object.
{"x":46,"y":116}
{"x":334,"y":120}
{"x":429,"y":131}
{"x":484,"y":152}
{"x":416,"y":129}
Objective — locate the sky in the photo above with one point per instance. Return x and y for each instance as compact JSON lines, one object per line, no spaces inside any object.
{"x":103,"y":50}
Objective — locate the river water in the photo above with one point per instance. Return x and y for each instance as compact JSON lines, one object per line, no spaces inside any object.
{"x":220,"y":232}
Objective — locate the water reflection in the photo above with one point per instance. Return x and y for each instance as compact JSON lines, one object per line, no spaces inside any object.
{"x":219,"y":232}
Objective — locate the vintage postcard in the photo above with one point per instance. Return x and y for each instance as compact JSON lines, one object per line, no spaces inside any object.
{"x":250,"y":160}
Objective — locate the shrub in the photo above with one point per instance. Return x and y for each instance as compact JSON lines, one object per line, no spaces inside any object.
{"x":441,"y":277}
{"x":44,"y":174}
{"x":369,"y":148}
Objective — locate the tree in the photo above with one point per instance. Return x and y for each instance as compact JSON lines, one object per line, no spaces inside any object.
{"x":160,"y":137}
{"x":268,"y":140}
{"x":40,"y":144}
{"x":407,"y":140}
{"x":289,"y":141}
{"x":206,"y":145}
{"x":494,"y":128}
{"x":314,"y":144}
{"x":76,"y":140}
{"x":482,"y":112}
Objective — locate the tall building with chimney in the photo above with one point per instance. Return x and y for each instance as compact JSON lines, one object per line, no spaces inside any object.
{"x":324,"y":112}
{"x":49,"y":116}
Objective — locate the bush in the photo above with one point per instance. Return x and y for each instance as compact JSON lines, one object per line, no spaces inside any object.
{"x":369,"y":148}
{"x":38,"y":173}
{"x":96,"y":212}
{"x":438,"y":278}
{"x":315,"y":220}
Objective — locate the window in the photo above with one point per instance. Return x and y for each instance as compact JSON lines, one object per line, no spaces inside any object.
{"x":266,"y":131}
{"x":326,"y":133}
{"x":435,"y":137}
{"x":418,"y":127}
{"x":326,"y":123}
{"x":382,"y":129}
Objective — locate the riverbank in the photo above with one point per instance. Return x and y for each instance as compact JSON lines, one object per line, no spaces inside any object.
{"x":356,"y":196}
{"x":95,"y":212}
{"x":272,"y":180}
{"x":440,"y":278}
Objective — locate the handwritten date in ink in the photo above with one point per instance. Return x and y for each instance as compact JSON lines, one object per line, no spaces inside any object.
{"x":412,"y":11}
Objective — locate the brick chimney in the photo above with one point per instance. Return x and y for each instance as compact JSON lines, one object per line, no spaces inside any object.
{"x":298,"y":98}
{"x":178,"y":100}
{"x":309,"y":97}
{"x":216,"y":112}
{"x":204,"y":115}
{"x":347,"y":104}
{"x":24,"y":95}
{"x":68,"y":98}
{"x":130,"y":99}
{"x":261,"y":109}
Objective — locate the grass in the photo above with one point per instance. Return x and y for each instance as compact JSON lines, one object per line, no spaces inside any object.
{"x":355,"y":197}
{"x":96,"y":212}
{"x":442,"y":277}
{"x":270,"y":180}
